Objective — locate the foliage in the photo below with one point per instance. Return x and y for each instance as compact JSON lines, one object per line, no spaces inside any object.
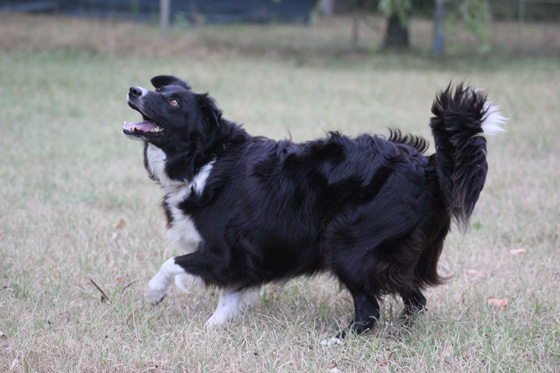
{"x":401,"y":8}
{"x":474,"y":13}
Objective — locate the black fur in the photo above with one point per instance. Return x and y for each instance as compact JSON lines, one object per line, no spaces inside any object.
{"x":372,"y":211}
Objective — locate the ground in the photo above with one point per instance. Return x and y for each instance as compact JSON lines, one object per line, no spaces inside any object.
{"x":77,"y":207}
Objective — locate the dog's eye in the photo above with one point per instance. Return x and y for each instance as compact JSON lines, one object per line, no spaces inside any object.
{"x":174,"y":102}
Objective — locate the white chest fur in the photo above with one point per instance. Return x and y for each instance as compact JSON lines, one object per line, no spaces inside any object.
{"x":181,"y":232}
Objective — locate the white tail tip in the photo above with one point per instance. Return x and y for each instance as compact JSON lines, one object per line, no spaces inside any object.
{"x":493,"y":119}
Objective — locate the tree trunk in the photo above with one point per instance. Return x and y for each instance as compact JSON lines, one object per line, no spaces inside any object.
{"x":396,"y":34}
{"x":355,"y":30}
{"x":326,"y":7}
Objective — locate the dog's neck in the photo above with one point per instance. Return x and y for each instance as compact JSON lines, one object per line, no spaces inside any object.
{"x":155,"y":161}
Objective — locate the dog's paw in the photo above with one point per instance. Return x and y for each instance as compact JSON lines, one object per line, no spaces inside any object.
{"x":157,"y":290}
{"x":214,"y":322}
{"x":154,"y":301}
{"x":154,"y":297}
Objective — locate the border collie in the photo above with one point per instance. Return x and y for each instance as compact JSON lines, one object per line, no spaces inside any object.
{"x":246,"y":211}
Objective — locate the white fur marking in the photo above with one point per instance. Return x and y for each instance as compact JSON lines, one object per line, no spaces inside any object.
{"x":182,"y":233}
{"x":186,"y":280}
{"x":492,"y":120}
{"x":199,"y":181}
{"x":156,"y":164}
{"x":143,"y":90}
{"x":230,"y":305}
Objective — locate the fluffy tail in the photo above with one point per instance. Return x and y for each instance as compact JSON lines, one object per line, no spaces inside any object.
{"x":462,"y":116}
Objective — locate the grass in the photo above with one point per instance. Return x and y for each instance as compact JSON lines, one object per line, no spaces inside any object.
{"x":78,"y":206}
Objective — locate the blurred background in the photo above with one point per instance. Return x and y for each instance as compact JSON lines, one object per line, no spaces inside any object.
{"x":442,"y":27}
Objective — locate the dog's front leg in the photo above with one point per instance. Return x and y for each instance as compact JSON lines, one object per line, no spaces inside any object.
{"x":159,"y":285}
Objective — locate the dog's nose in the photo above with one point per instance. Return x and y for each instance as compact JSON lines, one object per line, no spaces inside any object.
{"x":135,"y":92}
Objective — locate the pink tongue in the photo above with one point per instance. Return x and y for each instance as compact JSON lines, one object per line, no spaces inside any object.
{"x":144,"y":126}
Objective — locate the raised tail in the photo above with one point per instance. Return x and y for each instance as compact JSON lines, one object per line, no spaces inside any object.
{"x":462,"y":116}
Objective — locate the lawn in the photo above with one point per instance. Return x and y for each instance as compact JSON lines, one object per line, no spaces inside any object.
{"x":78,"y":208}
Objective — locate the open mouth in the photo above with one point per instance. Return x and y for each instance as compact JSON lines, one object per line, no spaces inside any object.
{"x":147,"y":128}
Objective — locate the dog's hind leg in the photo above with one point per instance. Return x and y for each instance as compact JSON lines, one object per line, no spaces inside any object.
{"x":366,"y":313}
{"x":414,"y":303}
{"x":230,"y":304}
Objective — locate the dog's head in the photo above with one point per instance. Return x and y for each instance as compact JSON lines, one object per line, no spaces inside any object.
{"x":172,"y":115}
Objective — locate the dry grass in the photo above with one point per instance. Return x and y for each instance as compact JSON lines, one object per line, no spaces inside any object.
{"x":77,"y":206}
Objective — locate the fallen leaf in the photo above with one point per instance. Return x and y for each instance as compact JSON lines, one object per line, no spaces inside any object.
{"x":502,"y":303}
{"x":386,"y":362}
{"x":121,"y":224}
{"x":475,"y":273}
{"x":518,"y":251}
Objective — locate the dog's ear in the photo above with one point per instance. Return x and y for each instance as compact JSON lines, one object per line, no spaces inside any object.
{"x":211,"y":115}
{"x":163,"y":80}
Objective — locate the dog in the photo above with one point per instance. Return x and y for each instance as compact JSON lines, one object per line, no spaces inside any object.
{"x":373,"y":211}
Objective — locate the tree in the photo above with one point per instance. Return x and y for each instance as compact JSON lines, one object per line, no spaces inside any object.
{"x":397,"y":13}
{"x":474,"y":13}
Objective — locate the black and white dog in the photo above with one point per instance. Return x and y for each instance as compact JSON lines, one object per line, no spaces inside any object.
{"x":372,"y":211}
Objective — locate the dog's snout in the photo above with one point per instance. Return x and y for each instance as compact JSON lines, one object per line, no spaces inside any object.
{"x":135,"y":92}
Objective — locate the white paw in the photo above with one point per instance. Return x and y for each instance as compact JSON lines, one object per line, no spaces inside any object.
{"x":157,"y":290}
{"x":214,"y":322}
{"x":160,"y":284}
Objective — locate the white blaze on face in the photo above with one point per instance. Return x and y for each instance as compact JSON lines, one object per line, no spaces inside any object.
{"x":143,"y":91}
